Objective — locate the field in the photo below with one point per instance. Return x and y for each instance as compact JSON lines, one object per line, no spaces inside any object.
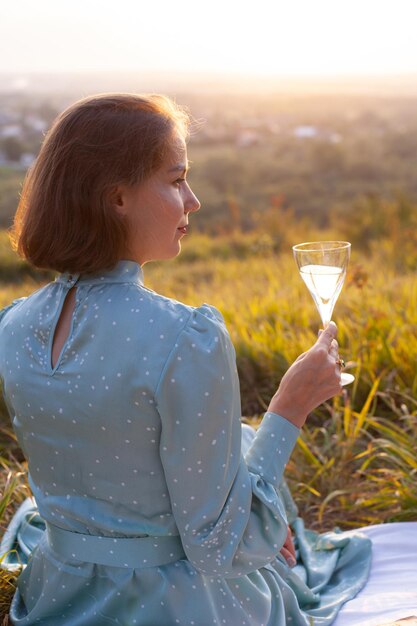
{"x":355,"y":462}
{"x":264,"y":185}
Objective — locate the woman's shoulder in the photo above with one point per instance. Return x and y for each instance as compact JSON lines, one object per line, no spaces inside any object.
{"x":170,"y":309}
{"x":21,"y":306}
{"x":12,"y":305}
{"x":169,"y":325}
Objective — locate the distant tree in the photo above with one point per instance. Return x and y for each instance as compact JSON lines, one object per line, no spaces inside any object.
{"x":225,"y":173}
{"x":13,"y":148}
{"x":328,"y":158}
{"x":403,"y":144}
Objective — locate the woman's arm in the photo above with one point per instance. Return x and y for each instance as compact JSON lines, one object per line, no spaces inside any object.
{"x":228,"y":510}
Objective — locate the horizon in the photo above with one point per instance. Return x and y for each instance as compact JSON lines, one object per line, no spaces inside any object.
{"x":273,"y":41}
{"x":38,"y":81}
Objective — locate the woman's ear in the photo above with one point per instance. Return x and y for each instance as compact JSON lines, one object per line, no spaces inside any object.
{"x":118,"y":199}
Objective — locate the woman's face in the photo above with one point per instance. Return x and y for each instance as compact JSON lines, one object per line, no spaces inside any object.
{"x":157,"y":209}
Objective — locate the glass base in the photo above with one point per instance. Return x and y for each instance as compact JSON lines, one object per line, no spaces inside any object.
{"x":346,"y":379}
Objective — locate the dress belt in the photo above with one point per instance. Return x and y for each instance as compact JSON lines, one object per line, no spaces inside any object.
{"x":132,"y":552}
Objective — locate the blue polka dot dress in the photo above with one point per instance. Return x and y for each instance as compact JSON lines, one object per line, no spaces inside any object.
{"x":156,"y":511}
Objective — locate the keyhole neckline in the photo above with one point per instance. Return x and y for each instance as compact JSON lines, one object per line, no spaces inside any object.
{"x":125,"y":271}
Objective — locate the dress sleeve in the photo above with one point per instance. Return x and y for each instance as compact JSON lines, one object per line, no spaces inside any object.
{"x":10,"y":306}
{"x":3,"y":312}
{"x":228,"y":509}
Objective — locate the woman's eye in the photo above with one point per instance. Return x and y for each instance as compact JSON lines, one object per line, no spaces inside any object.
{"x":180,"y":180}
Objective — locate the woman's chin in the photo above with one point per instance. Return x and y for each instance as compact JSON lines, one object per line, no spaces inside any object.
{"x":173,"y":252}
{"x":176,"y":249}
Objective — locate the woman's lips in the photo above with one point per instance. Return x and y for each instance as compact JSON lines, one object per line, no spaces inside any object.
{"x":183,"y":229}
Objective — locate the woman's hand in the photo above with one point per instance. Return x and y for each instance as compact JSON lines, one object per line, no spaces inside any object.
{"x":288,"y":550}
{"x":313,"y":378}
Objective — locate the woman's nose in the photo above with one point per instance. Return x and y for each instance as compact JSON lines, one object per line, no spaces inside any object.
{"x":191,"y":203}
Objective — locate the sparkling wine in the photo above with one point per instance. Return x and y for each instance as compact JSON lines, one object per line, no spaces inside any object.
{"x":324,"y":283}
{"x":322,"y":266}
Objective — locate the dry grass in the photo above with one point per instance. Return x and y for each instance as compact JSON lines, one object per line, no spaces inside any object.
{"x":355,"y":463}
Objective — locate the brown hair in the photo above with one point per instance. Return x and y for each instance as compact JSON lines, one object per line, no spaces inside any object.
{"x":65,"y":220}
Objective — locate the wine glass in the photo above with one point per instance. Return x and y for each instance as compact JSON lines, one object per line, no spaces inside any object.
{"x":323,"y":266}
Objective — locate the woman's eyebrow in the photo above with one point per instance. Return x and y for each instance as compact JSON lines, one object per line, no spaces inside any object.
{"x":181,"y":167}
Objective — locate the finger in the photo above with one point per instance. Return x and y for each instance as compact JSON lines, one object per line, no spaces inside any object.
{"x":334,"y":351}
{"x":291,"y":560}
{"x":327,"y":336}
{"x":291,"y":549}
{"x":289,"y":544}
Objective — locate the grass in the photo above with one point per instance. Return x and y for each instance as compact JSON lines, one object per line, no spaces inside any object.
{"x":355,"y":462}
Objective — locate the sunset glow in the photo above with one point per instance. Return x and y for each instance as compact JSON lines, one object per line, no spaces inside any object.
{"x":265,"y":38}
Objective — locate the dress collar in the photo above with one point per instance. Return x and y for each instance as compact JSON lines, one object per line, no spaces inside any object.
{"x":125,"y":271}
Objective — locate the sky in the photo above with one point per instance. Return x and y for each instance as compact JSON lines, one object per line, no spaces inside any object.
{"x":261,"y":37}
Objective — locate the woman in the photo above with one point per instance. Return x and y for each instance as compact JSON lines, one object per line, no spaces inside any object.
{"x":126,"y":403}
